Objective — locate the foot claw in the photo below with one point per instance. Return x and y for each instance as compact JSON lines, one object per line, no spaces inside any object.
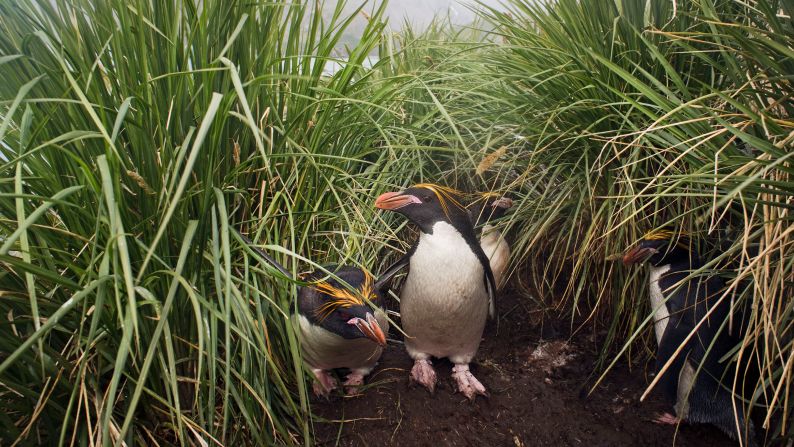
{"x":354,"y":380}
{"x":324,"y":384}
{"x":666,"y":419}
{"x":468,"y":385}
{"x":424,"y":374}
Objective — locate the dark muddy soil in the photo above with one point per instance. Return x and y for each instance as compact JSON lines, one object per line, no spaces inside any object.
{"x":535,"y":399}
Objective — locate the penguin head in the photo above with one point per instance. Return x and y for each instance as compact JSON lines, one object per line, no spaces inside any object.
{"x":344,"y":309}
{"x":658,"y":247}
{"x":426,"y":204}
{"x":489,"y":207}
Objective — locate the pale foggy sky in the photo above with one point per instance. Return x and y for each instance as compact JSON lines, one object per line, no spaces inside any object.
{"x":420,"y":12}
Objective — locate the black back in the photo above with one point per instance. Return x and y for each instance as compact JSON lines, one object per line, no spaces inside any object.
{"x":694,"y":301}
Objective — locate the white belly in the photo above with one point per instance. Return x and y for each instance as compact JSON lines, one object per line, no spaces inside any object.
{"x":444,"y":303}
{"x":322,"y":349}
{"x":498,"y":251}
{"x":661,"y":315}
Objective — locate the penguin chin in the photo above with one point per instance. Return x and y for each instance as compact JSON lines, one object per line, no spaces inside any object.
{"x":638,"y":254}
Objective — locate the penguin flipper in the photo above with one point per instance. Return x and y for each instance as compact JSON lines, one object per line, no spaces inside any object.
{"x":383,"y":282}
{"x":261,"y":253}
{"x":489,"y":285}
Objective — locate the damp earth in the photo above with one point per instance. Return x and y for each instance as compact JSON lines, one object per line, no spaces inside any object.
{"x":539,"y":376}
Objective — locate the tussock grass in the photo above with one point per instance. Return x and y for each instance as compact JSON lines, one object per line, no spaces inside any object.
{"x":640,"y":115}
{"x":134,"y":136}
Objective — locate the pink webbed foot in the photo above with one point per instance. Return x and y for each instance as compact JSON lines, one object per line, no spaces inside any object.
{"x":424,"y":374}
{"x":666,"y":419}
{"x":324,"y":383}
{"x":468,"y":385}
{"x":352,"y":382}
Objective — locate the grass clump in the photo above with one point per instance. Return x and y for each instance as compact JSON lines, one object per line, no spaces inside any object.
{"x":644,"y":114}
{"x":134,"y":137}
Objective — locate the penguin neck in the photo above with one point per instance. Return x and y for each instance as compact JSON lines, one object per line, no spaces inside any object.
{"x":657,"y":271}
{"x":444,"y":235}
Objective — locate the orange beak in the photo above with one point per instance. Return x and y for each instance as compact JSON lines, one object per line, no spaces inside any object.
{"x":395,"y":200}
{"x":370,"y":328}
{"x":637,"y":254}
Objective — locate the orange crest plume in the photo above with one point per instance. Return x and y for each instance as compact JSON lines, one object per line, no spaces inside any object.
{"x":666,"y":234}
{"x":343,"y":297}
{"x":445,"y":195}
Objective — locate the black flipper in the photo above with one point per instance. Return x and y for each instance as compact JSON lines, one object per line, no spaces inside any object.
{"x":710,"y":402}
{"x":714,"y":398}
{"x":490,"y":283}
{"x":263,"y":255}
{"x":383,"y":282}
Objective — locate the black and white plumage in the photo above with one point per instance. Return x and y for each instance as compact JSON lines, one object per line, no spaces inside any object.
{"x":482,"y":212}
{"x":444,"y":299}
{"x":696,"y":381}
{"x":338,"y":329}
{"x":341,"y":324}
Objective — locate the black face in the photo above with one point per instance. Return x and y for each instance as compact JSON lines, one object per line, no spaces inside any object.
{"x":345,"y":322}
{"x":488,"y":209}
{"x":657,"y":252}
{"x":425,"y":207}
{"x":335,"y":307}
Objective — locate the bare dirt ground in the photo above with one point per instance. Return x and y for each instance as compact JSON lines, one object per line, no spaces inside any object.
{"x":535,"y":374}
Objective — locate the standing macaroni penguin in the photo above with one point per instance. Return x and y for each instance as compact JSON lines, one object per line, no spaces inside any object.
{"x":696,"y":381}
{"x":341,"y":324}
{"x":444,"y":300}
{"x":486,"y":209}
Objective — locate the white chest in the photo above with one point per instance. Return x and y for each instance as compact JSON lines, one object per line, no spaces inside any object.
{"x":444,"y":303}
{"x":325,"y":350}
{"x":658,"y":306}
{"x":444,"y":265}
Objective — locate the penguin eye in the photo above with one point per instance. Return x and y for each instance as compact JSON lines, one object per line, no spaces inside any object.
{"x":344,"y":315}
{"x":427,"y":198}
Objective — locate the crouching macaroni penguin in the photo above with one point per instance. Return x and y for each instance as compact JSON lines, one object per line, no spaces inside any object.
{"x":341,"y":324}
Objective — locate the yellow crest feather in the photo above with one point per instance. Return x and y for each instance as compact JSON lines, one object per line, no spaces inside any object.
{"x":666,"y":234}
{"x":445,"y":195}
{"x":663,"y":234}
{"x":343,"y":297}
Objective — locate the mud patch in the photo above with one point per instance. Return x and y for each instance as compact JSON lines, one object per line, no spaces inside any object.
{"x":535,"y":374}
